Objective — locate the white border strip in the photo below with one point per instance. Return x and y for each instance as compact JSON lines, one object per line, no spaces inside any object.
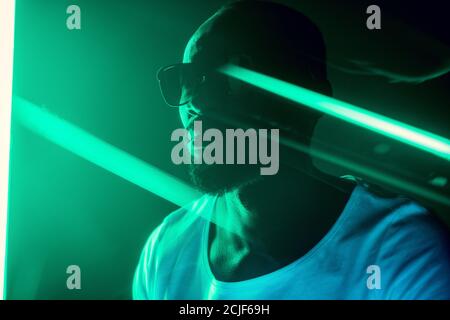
{"x":6,"y":73}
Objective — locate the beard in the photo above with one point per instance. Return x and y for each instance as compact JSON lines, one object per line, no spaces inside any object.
{"x":217,"y":179}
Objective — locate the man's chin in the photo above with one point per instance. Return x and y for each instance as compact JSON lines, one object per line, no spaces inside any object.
{"x":219,"y":179}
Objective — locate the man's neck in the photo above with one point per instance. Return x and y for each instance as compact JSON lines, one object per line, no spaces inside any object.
{"x":286,"y":215}
{"x":291,"y":211}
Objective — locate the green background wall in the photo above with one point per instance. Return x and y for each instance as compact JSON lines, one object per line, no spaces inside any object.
{"x":64,"y":210}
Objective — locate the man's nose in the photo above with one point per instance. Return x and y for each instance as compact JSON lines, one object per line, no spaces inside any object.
{"x":192,"y":109}
{"x":187,"y":112}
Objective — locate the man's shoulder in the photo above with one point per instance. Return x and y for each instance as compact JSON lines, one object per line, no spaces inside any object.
{"x":191,"y":214}
{"x":414,"y":224}
{"x":185,"y":222}
{"x":398,"y":228}
{"x":415,"y":254}
{"x":177,"y":234}
{"x":408,"y":243}
{"x":406,"y":219}
{"x":371,"y":209}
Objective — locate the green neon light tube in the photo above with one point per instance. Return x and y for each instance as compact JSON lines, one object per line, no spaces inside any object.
{"x":102,"y":154}
{"x":391,"y":128}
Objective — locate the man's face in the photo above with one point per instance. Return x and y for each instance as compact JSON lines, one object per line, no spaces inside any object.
{"x":216,"y":106}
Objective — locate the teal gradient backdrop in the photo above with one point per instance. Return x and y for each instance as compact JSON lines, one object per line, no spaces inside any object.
{"x":102,"y":78}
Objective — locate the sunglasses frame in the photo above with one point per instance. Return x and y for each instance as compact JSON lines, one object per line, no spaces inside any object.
{"x":168,"y":67}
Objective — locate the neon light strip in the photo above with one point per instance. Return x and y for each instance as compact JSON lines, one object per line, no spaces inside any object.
{"x":6,"y":71}
{"x":394,"y":129}
{"x":103,"y":154}
{"x":383,"y":178}
{"x":152,"y":179}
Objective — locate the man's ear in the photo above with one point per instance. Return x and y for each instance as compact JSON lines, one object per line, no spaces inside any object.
{"x":235,"y":86}
{"x":327,"y":88}
{"x":241,"y":59}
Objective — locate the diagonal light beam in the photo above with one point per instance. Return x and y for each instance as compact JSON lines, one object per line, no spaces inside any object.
{"x":138,"y":172}
{"x":391,"y":128}
{"x":109,"y":157}
{"x":102,"y":154}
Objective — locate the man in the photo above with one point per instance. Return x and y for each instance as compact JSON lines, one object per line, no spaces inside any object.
{"x":299,"y":234}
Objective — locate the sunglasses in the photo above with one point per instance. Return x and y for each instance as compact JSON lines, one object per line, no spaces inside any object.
{"x":180,"y":83}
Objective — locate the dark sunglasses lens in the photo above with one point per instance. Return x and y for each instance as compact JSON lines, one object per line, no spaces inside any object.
{"x":178,"y":84}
